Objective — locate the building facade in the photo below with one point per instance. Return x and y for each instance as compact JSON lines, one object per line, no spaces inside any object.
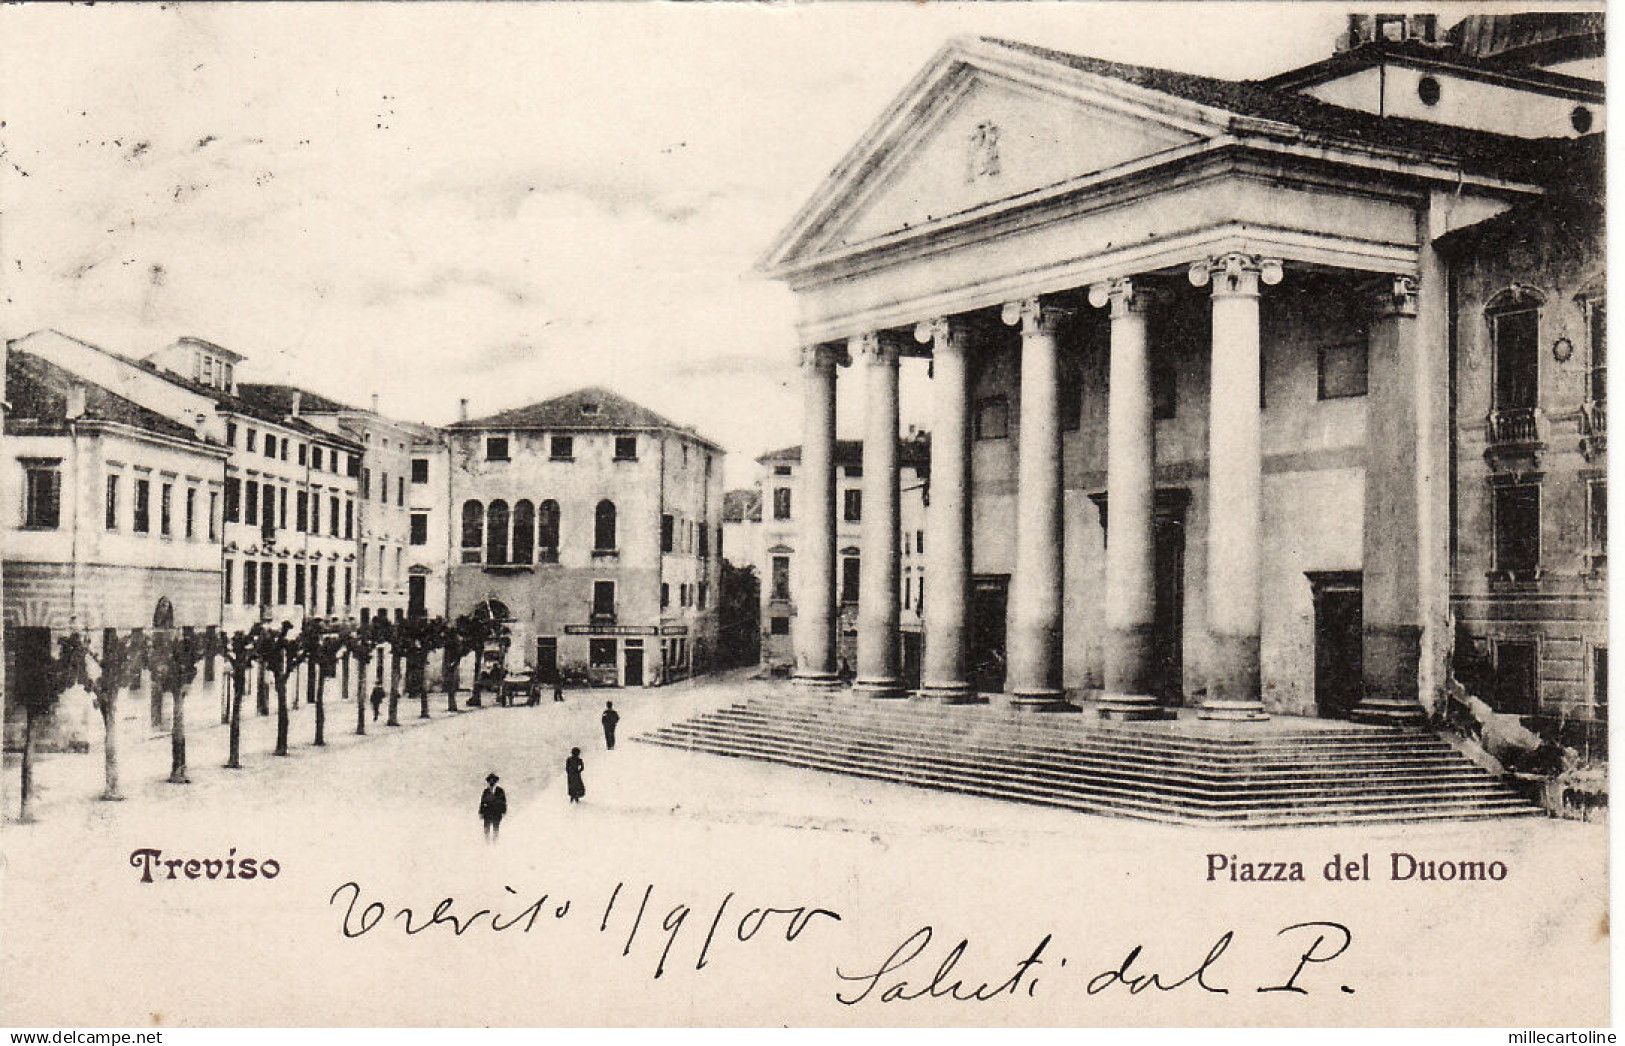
{"x":778,"y":567}
{"x":592,"y":526}
{"x":112,"y":520}
{"x":429,"y":533}
{"x":1191,"y":349}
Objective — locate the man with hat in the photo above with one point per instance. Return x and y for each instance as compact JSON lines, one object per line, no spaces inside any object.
{"x":493,"y":804}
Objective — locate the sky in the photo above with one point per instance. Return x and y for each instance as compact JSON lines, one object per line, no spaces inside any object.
{"x":501,"y":202}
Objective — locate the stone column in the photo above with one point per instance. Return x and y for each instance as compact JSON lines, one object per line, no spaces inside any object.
{"x":1131,"y":454}
{"x":879,"y":667}
{"x":1391,"y":605}
{"x":815,"y":541}
{"x":1033,"y":639}
{"x":947,"y":515}
{"x":1235,"y":486}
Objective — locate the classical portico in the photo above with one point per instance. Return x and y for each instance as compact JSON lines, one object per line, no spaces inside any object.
{"x":1042,"y":230}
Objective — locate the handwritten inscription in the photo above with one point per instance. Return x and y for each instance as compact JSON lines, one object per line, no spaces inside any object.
{"x":647,"y":924}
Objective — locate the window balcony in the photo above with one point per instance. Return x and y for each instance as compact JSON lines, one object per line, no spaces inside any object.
{"x":1594,"y":429}
{"x":600,"y":615}
{"x":1515,"y":435}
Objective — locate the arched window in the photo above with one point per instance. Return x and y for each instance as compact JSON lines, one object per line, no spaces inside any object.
{"x":547,"y":529}
{"x":604,"y":527}
{"x":473,"y":530}
{"x":496,"y":534}
{"x":1514,"y":318}
{"x":524,"y":532}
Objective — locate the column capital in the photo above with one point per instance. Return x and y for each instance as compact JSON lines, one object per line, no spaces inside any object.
{"x":1396,"y":297}
{"x":823,"y":355}
{"x":1236,"y":274}
{"x":1123,"y":295}
{"x":1036,"y":316}
{"x":876,"y":348}
{"x":942,"y":333}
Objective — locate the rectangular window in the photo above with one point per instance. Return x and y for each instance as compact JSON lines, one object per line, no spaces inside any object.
{"x":42,"y":497}
{"x":603,"y":598}
{"x":1517,"y":677}
{"x":191,"y":513}
{"x":251,"y":503}
{"x":316,"y":458}
{"x":234,"y":493}
{"x":668,"y":528}
{"x":993,"y":418}
{"x":705,"y":542}
{"x":366,"y":483}
{"x":1598,"y":332}
{"x":665,"y":595}
{"x":251,"y":584}
{"x":304,"y":454}
{"x":299,"y":585}
{"x":702,"y":595}
{"x":282,"y":508}
{"x":496,"y":448}
{"x":231,"y":433}
{"x":400,"y":491}
{"x":781,"y":470}
{"x":1343,"y":370}
{"x":919,"y":542}
{"x":781,"y":502}
{"x":781,"y":578}
{"x":333,"y":512}
{"x":265,"y":584}
{"x":1599,"y":683}
{"x":166,"y":493}
{"x":420,"y":470}
{"x":779,"y":626}
{"x":1597,"y":523}
{"x":349,"y":518}
{"x":1517,"y":359}
{"x":853,"y":471}
{"x":214,"y":506}
{"x":143,"y":506}
{"x":626,"y":448}
{"x":849,"y":579}
{"x":228,"y":583}
{"x":270,"y":445}
{"x":282,"y":584}
{"x":383,"y":487}
{"x":268,"y":509}
{"x":111,"y":522}
{"x":908,"y":594}
{"x":420,"y":528}
{"x":601,"y":653}
{"x":852,"y":506}
{"x":1517,"y":529}
{"x":250,"y":440}
{"x":562,"y":448}
{"x":301,"y":512}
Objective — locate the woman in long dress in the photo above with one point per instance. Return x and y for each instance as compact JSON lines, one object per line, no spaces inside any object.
{"x":572,"y":774}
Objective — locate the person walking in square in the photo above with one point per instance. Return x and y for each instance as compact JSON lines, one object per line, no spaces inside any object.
{"x":558,"y":687}
{"x":377,"y":701}
{"x":572,"y":774}
{"x":609,"y":719}
{"x":493,"y":805}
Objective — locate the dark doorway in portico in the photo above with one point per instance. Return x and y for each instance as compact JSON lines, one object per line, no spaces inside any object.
{"x":1339,"y":649}
{"x":985,"y":651}
{"x":1168,"y":617}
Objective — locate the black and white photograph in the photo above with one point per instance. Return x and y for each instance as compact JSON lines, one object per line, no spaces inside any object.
{"x":855,"y":514}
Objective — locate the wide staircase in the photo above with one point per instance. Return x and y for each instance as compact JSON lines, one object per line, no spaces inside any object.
{"x":1181,"y":772}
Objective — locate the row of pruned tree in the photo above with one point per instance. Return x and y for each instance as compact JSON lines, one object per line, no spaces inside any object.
{"x":172,"y":659}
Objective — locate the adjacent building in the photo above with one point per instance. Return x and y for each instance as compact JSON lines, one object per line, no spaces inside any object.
{"x":593,"y":527}
{"x":780,"y":481}
{"x":112,"y":519}
{"x":1244,"y":394}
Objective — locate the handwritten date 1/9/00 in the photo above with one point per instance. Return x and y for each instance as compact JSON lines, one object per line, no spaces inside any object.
{"x":906,"y":974}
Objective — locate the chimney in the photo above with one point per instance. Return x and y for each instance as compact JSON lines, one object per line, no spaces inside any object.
{"x":298,"y":398}
{"x":76,"y":402}
{"x":462,"y":409}
{"x":375,"y":403}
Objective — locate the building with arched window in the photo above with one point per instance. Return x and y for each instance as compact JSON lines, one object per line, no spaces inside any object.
{"x":597,"y":523}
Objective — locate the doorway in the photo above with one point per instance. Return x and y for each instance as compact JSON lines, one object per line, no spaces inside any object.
{"x":1168,"y":613}
{"x":634,"y":666}
{"x":985,"y":653}
{"x":547,"y":659}
{"x":1339,"y":648}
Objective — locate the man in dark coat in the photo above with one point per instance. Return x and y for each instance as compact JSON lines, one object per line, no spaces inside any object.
{"x":377,"y":701}
{"x":572,"y":775}
{"x":493,"y":804}
{"x":558,"y":687}
{"x":609,"y":719}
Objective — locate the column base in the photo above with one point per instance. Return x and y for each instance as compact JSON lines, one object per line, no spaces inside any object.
{"x":1234,"y":711}
{"x":950,"y":694}
{"x":1132,"y":707}
{"x":880,"y":689}
{"x":1388,"y":711}
{"x":817,"y":681}
{"x":1039,"y":701}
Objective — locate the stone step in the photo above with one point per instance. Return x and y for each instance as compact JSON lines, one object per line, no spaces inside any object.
{"x":1151,"y":811}
{"x":1197,"y":770}
{"x":1264,"y":792}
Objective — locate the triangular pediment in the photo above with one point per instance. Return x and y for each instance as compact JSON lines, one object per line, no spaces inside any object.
{"x":981,"y":129}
